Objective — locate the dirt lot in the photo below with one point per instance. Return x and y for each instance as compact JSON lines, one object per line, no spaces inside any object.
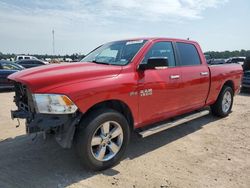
{"x":208,"y":152}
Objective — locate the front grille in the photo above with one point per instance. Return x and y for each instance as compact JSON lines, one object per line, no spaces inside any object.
{"x":23,"y":98}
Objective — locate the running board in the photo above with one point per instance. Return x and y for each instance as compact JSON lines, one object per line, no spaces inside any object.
{"x":165,"y":126}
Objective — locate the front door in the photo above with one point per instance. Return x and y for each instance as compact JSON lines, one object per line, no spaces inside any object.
{"x":159,"y":88}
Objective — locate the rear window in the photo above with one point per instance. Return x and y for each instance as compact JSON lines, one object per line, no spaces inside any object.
{"x":21,"y":63}
{"x":188,"y":54}
{"x":38,"y":62}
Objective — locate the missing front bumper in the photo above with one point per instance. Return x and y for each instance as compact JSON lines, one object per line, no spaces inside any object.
{"x":62,"y":125}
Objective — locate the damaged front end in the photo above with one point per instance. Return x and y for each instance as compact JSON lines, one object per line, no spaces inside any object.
{"x":46,"y":113}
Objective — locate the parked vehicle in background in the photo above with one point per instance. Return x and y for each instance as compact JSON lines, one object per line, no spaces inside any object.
{"x":68,"y":60}
{"x":239,"y":60}
{"x":216,"y":61}
{"x":48,"y":59}
{"x":29,"y":63}
{"x":22,"y":57}
{"x":7,"y":68}
{"x":120,"y":87}
{"x":246,"y":75}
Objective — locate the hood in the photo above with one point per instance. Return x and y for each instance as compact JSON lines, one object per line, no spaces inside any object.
{"x":50,"y":76}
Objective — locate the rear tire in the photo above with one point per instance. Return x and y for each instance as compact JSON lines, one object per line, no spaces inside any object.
{"x":223,"y":105}
{"x":102,"y":139}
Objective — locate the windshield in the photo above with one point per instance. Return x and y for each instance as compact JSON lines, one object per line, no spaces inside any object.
{"x":10,"y":66}
{"x":115,"y":53}
{"x":18,"y":67}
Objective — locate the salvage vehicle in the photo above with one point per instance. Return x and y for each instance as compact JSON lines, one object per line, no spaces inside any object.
{"x":144,"y":85}
{"x":7,"y":68}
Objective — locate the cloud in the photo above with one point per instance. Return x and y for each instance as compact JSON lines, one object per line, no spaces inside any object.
{"x":158,"y":10}
{"x":108,"y":10}
{"x":24,"y":22}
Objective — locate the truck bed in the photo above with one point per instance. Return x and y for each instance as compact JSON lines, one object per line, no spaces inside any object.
{"x":219,"y":74}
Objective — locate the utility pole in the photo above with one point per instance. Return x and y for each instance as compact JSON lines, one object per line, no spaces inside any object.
{"x":53,"y":41}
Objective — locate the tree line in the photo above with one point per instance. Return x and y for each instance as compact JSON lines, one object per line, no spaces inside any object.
{"x":74,"y":57}
{"x":228,"y":54}
{"x":213,"y":54}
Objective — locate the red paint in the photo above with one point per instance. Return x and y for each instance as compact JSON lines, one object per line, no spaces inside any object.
{"x":87,"y":84}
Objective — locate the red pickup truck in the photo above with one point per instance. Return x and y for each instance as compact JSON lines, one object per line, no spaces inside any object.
{"x":145,"y":85}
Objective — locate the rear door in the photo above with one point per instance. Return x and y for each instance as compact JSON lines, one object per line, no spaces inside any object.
{"x":195,"y":76}
{"x":159,"y":88}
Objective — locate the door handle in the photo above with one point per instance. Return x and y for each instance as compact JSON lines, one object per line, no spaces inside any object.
{"x":174,"y":76}
{"x":204,"y":73}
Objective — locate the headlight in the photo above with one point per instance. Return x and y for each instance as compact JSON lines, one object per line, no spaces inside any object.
{"x":53,"y":104}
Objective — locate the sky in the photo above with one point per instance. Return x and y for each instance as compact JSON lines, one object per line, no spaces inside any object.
{"x":81,"y":25}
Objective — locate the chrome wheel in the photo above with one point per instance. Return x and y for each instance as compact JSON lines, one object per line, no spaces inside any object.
{"x":226,"y":102}
{"x":107,"y":141}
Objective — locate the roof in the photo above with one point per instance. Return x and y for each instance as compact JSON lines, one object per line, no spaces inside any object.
{"x":160,"y":38}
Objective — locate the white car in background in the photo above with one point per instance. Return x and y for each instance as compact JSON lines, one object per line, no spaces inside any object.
{"x":23,"y":57}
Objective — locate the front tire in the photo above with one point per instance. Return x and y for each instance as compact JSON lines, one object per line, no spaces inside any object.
{"x":102,"y":139}
{"x":224,"y":103}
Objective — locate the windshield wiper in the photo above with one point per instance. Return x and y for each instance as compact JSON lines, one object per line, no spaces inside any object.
{"x":98,"y":62}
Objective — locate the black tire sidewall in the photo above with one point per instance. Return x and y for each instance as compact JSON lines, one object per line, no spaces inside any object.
{"x":86,"y":132}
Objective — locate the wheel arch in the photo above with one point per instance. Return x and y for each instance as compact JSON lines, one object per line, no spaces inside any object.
{"x":116,"y":105}
{"x":229,"y":83}
{"x":217,"y":107}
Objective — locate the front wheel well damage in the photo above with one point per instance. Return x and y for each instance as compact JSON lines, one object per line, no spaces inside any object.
{"x":116,"y":105}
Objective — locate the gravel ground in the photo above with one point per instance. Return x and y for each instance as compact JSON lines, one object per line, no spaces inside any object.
{"x":208,"y":152}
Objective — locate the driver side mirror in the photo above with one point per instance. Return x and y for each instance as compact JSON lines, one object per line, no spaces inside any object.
{"x":154,"y":63}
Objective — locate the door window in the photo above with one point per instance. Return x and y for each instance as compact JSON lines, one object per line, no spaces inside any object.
{"x":188,"y":54}
{"x":161,"y":49}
